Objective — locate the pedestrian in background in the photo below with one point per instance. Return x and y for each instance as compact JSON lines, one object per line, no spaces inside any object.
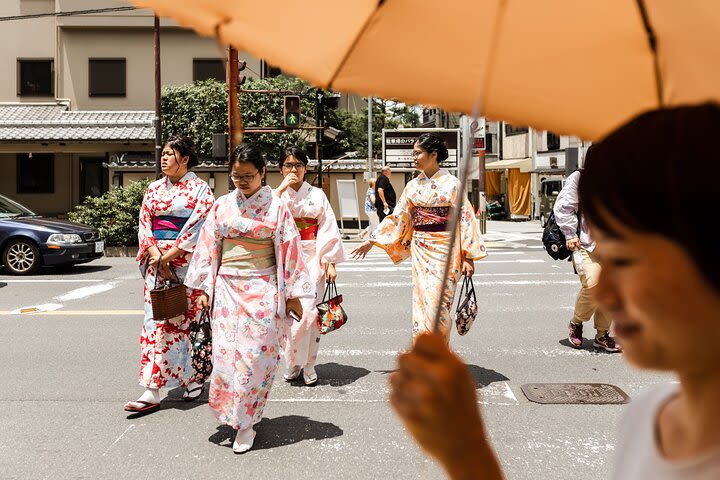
{"x":660,"y":283}
{"x":370,"y":210}
{"x":248,"y":264}
{"x":385,"y":199}
{"x":172,"y":213}
{"x":418,"y":229}
{"x":322,"y":248}
{"x":579,"y":241}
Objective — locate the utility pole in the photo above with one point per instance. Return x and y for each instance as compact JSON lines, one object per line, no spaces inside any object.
{"x":157,"y":120}
{"x":319,"y":133}
{"x":234,"y":123}
{"x":370,"y":162}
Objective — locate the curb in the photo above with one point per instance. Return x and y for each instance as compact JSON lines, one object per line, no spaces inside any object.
{"x":121,"y":251}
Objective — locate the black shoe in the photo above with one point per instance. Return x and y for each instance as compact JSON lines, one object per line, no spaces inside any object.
{"x":575,"y":337}
{"x":607,"y":343}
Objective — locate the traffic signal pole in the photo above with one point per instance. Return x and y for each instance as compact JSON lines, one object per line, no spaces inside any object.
{"x":234,"y":123}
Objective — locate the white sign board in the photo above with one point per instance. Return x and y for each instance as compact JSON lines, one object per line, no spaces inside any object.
{"x":398,"y":147}
{"x":348,"y":199}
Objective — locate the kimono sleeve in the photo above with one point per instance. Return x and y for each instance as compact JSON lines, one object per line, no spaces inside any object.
{"x":329,"y":243}
{"x":471,"y":241}
{"x":395,"y":231}
{"x":203,"y":199}
{"x":145,"y":234}
{"x":296,"y":278}
{"x":205,"y":262}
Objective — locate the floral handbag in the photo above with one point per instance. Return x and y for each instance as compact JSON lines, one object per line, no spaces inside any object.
{"x":331,"y":315}
{"x":467,"y":307}
{"x":201,"y":341}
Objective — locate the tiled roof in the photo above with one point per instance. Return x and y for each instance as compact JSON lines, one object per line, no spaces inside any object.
{"x":141,"y":161}
{"x":54,"y":122}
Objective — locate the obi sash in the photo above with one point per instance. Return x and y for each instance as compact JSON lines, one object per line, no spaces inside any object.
{"x":430,"y":219}
{"x":248,"y":253}
{"x":167,"y":227}
{"x":308,"y":228}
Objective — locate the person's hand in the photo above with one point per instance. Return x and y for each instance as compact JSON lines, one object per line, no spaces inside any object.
{"x":154,"y":255}
{"x":434,"y":394}
{"x":573,"y":244}
{"x":294,"y":305}
{"x":360,"y":252}
{"x":165,"y":268}
{"x":330,"y":273}
{"x":468,"y":268}
{"x":289,"y":179}
{"x":202,"y":301}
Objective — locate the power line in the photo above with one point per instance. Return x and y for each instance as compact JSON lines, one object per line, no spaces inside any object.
{"x":67,"y":14}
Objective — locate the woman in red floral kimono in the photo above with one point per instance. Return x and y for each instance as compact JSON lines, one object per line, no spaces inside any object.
{"x":172,"y":213}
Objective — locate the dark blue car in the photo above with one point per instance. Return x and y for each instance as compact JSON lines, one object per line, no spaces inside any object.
{"x":29,"y":241}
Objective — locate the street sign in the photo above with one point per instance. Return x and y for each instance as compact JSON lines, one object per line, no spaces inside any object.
{"x":398,"y":146}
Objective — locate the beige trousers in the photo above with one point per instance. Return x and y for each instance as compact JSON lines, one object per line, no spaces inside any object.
{"x":584,"y":306}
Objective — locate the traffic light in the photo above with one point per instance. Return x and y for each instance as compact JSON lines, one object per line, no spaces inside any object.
{"x":291,"y":111}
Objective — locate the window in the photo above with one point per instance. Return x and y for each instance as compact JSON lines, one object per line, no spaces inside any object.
{"x":207,"y":68}
{"x":35,"y":78}
{"x":553,"y":141}
{"x":511,"y":130}
{"x":35,"y":173}
{"x":107,"y":77}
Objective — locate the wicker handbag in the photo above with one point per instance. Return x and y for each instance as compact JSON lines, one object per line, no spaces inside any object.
{"x":169,"y":300}
{"x":331,"y":314}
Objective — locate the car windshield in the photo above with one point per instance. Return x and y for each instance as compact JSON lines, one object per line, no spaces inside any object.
{"x":9,"y":208}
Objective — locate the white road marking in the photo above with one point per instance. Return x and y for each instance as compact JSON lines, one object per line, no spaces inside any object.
{"x":374,"y":284}
{"x":131,"y":427}
{"x":84,"y":292}
{"x":32,"y":280}
{"x":47,"y":307}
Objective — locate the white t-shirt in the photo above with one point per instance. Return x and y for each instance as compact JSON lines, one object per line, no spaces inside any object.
{"x":637,"y":455}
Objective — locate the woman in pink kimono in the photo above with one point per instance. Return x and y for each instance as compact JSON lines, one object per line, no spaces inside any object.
{"x":172,"y":213}
{"x":322,"y":248}
{"x":248,"y":263}
{"x":417,"y":228}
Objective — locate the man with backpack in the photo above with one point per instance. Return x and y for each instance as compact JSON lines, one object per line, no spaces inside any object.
{"x":579,"y":242}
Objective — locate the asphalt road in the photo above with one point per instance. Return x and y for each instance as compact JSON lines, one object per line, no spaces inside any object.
{"x":68,"y":369}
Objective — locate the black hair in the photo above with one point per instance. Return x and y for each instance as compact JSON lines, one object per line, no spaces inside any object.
{"x":645,"y":176}
{"x":293,"y":151}
{"x":247,"y":153}
{"x":432,"y":142}
{"x":185,"y":147}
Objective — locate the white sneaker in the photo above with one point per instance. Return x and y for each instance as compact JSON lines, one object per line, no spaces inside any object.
{"x":244,"y":440}
{"x":310,"y":376}
{"x":293,"y":373}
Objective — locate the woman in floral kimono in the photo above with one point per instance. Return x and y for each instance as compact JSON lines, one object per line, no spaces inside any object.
{"x":172,"y":213}
{"x":248,"y":263}
{"x":322,"y":249}
{"x":418,"y":228}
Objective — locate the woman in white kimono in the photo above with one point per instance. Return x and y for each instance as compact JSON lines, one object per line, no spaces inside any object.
{"x":248,"y":263}
{"x":417,"y":228}
{"x":322,"y":248}
{"x":172,"y":213}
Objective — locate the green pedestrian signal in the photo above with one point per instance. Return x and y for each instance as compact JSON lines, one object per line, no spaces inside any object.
{"x":291,"y":111}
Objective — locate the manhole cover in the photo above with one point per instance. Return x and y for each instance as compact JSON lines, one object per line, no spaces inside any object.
{"x":576,"y":393}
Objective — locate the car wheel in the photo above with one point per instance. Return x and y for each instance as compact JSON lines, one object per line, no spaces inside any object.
{"x":22,"y":257}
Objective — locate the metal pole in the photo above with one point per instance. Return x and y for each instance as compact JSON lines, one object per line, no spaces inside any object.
{"x":319,"y":122}
{"x":370,"y":162}
{"x":157,"y":120}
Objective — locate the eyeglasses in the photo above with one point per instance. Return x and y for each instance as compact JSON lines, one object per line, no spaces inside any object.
{"x":244,"y":178}
{"x":416,"y":153}
{"x":290,"y":166}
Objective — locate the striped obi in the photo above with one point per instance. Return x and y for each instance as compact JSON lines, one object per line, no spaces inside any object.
{"x":248,"y":253}
{"x":308,"y":228}
{"x":167,"y":227}
{"x":430,"y":219}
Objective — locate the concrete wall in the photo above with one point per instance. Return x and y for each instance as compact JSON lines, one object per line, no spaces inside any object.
{"x":65,"y":185}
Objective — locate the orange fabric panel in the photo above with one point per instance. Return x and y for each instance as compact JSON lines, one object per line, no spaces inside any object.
{"x":519,"y":192}
{"x":492,"y":184}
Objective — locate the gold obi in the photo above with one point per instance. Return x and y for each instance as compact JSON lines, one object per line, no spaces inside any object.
{"x":248,"y":253}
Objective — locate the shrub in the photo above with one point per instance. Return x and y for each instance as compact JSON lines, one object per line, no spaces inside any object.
{"x":114,"y":213}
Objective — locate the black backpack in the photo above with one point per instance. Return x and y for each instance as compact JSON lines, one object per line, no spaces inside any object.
{"x":554,"y":240}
